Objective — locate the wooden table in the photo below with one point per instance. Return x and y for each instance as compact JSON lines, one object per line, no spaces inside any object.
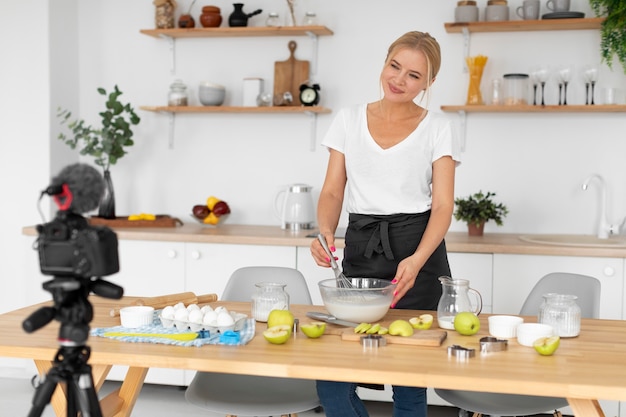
{"x":584,"y":369}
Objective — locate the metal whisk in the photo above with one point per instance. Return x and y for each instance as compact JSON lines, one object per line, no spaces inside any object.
{"x":342,"y":280}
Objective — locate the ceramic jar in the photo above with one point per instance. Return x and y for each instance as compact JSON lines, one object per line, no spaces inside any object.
{"x":466,"y":11}
{"x":210,"y":17}
{"x":562,"y":313}
{"x":496,"y":10}
{"x":268,"y":296}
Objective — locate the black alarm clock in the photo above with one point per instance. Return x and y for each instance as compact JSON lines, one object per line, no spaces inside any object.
{"x":309,"y":94}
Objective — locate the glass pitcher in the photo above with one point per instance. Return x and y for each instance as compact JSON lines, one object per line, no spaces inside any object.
{"x":455,"y":299}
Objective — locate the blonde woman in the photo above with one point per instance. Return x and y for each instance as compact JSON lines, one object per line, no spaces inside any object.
{"x":393,"y":162}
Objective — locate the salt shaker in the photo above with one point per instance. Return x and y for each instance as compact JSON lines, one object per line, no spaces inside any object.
{"x":268,"y":296}
{"x":562,"y":313}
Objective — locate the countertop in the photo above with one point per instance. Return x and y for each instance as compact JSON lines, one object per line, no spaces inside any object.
{"x":501,"y":243}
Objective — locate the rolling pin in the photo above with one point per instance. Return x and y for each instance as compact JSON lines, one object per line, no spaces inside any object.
{"x":171,"y":299}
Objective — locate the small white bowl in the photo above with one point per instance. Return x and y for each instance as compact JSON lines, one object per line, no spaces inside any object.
{"x":504,"y":326}
{"x":136,"y":316}
{"x":211,"y":94}
{"x":527,"y":333}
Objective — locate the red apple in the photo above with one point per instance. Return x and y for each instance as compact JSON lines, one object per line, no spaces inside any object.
{"x":200,"y":211}
{"x":220,"y":208}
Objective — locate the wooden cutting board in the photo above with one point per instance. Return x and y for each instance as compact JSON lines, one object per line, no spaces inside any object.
{"x":290,"y":74}
{"x":419,"y":338}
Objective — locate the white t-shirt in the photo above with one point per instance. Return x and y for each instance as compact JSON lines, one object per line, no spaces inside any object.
{"x":397,"y":179}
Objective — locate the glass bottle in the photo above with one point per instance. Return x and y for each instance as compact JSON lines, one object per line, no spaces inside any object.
{"x":562,"y":313}
{"x":496,"y":92}
{"x":272,"y":20}
{"x":178,"y":94}
{"x":268,"y":296}
{"x":310,"y":19}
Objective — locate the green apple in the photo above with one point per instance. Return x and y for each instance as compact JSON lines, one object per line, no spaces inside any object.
{"x":466,"y":323}
{"x":277,"y":334}
{"x":422,"y":322}
{"x":546,"y":346}
{"x":401,"y":328}
{"x":383,"y":330}
{"x":374,"y":329}
{"x":362,"y":327}
{"x":314,"y":329}
{"x":280,"y":317}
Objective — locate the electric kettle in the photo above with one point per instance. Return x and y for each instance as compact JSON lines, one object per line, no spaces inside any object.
{"x":294,"y":207}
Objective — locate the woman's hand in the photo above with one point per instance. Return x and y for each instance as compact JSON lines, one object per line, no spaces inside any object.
{"x":319,"y":254}
{"x":405,"y":277}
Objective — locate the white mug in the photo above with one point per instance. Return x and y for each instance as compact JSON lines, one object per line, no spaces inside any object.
{"x":558,"y":5}
{"x":529,"y":10}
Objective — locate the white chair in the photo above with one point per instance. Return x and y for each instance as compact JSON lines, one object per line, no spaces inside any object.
{"x":245,"y":395}
{"x":587,"y":289}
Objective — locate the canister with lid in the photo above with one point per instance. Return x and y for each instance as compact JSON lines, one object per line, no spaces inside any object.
{"x":496,"y":10}
{"x":466,"y":11}
{"x":562,"y":313}
{"x":178,"y":94}
{"x":515,"y":89}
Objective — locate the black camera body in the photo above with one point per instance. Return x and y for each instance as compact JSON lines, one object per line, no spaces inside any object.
{"x":69,"y":246}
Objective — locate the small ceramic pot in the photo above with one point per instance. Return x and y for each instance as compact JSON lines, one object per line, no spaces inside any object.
{"x":210,"y":17}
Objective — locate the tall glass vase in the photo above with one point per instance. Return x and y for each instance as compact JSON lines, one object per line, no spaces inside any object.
{"x":107,"y":202}
{"x":475,"y":65}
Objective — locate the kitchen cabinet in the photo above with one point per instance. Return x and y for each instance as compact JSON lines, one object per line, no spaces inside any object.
{"x":172,"y":34}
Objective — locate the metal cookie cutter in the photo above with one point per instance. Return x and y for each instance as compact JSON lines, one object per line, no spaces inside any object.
{"x":373,"y":341}
{"x":461,"y":352}
{"x":492,"y":344}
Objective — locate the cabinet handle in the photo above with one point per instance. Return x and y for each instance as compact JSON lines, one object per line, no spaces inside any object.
{"x":195,"y":254}
{"x":609,"y":271}
{"x":172,"y":254}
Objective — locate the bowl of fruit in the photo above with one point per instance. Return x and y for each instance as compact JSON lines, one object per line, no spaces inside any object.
{"x":212,"y":213}
{"x":363,"y":300}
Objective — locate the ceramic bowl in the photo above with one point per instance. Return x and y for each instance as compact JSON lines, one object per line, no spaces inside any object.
{"x":211,"y":94}
{"x":367,"y":301}
{"x":136,"y":316}
{"x":504,"y":327}
{"x":527,"y":333}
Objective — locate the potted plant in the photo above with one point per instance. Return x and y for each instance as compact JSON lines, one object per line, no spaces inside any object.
{"x":613,"y":31}
{"x":477,"y":209}
{"x":106,"y":144}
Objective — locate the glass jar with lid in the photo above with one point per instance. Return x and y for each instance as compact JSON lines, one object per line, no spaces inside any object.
{"x":562,"y":313}
{"x":516,"y":89}
{"x":273,"y":20}
{"x":178,"y":94}
{"x":268,"y":296}
{"x":310,"y":19}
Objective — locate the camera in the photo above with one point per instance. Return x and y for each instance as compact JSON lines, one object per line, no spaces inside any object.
{"x":70,"y":246}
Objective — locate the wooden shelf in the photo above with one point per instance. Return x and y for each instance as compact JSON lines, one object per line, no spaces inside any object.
{"x":233,"y":109}
{"x":598,"y":108}
{"x":224,"y":32}
{"x":526,"y":25}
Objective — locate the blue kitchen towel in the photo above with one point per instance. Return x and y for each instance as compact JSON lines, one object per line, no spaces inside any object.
{"x":245,"y":334}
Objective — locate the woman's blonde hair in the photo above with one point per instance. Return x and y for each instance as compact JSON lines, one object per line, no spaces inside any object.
{"x":423,"y":42}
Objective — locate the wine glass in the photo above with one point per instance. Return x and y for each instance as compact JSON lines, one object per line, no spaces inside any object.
{"x":564,"y":74}
{"x":541,"y":74}
{"x":536,"y":80}
{"x":590,"y":74}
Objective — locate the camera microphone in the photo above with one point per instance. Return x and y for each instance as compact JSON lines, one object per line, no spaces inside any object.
{"x":78,"y":188}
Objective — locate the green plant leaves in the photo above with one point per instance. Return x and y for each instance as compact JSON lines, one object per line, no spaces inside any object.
{"x":479,"y":208}
{"x":613,"y":30}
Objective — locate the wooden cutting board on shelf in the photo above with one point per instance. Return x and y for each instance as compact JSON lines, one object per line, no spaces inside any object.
{"x":290,"y":74}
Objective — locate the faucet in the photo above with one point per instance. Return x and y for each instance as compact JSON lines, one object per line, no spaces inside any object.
{"x":604,"y":227}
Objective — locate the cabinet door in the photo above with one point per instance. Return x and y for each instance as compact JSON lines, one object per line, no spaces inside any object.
{"x":515,"y":275}
{"x":477,"y":268}
{"x":209,"y":265}
{"x":313,"y":272}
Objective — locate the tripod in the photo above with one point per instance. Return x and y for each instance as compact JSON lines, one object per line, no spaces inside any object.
{"x":74,"y":311}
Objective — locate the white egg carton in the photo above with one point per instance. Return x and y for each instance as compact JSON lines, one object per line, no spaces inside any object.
{"x":181,"y":324}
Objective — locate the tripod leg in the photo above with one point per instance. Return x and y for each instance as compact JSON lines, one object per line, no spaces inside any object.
{"x":43,"y":394}
{"x":85,"y":394}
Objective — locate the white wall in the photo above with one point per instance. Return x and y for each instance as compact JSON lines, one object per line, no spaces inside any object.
{"x":534,"y":162}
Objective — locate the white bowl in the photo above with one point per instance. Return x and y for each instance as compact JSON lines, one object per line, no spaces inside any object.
{"x":136,"y":316}
{"x":527,"y":333}
{"x":211,"y":94}
{"x":504,"y":326}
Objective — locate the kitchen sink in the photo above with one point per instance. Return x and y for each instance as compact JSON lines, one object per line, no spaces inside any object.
{"x":576,"y":240}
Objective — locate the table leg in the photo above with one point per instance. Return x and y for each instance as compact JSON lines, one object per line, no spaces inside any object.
{"x":120,"y":402}
{"x":585,"y":408}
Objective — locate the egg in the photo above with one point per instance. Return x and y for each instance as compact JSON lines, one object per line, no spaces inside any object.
{"x":225,"y":319}
{"x":181,"y":314}
{"x":220,"y":309}
{"x":206,"y":309}
{"x":168,"y":312}
{"x":196,"y":316}
{"x":178,"y":306}
{"x":210,"y":318}
{"x":192,"y":307}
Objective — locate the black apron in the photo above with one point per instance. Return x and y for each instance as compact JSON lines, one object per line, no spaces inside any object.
{"x":375,"y":244}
